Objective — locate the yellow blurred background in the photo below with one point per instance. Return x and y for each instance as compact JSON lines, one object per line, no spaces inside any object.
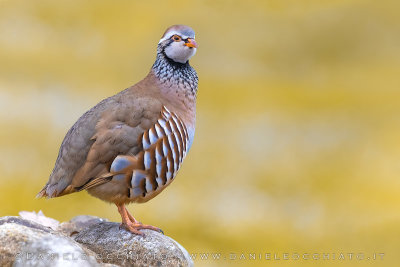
{"x":298,"y":125}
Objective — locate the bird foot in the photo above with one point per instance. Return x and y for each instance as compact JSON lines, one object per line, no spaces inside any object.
{"x":135,"y":227}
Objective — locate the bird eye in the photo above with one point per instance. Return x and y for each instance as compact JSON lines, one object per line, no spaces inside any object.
{"x":176,"y":38}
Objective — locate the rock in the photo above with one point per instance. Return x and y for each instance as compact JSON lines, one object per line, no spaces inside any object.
{"x":27,"y":243}
{"x":35,"y":240}
{"x":78,"y":224}
{"x":118,"y":246}
{"x":40,"y":219}
{"x":52,"y":250}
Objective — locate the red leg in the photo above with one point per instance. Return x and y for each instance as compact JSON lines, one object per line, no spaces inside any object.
{"x":131,"y":218}
{"x":131,"y":224}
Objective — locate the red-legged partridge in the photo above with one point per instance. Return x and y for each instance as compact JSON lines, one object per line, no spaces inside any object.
{"x":130,"y":146}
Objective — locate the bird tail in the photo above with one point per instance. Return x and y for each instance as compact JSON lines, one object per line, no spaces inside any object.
{"x":52,"y":190}
{"x":42,"y":192}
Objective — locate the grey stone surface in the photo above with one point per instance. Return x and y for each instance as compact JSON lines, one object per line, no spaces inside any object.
{"x":53,"y":250}
{"x":118,"y":246}
{"x":36,"y":240}
{"x":40,"y":219}
{"x":78,"y":223}
{"x":27,"y":243}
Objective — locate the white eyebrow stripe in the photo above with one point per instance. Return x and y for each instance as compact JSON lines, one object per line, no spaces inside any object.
{"x":170,"y":34}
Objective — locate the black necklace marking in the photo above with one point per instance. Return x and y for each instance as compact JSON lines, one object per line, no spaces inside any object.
{"x":181,"y":74}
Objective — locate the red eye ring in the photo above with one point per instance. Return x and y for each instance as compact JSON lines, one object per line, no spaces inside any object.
{"x":176,"y":38}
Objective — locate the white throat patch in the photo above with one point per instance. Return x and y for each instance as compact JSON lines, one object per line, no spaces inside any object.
{"x":179,"y":52}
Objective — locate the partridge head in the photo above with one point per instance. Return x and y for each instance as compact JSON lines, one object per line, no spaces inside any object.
{"x":130,"y":146}
{"x":178,"y":43}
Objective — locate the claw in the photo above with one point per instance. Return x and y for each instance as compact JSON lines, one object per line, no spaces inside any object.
{"x":131,"y":228}
{"x":132,"y":225}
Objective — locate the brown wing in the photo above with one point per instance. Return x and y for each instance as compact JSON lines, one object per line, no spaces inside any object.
{"x":144,"y":175}
{"x":74,"y":149}
{"x":111,"y":128}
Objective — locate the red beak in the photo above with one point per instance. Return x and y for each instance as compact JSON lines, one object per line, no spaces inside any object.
{"x":191,"y":43}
